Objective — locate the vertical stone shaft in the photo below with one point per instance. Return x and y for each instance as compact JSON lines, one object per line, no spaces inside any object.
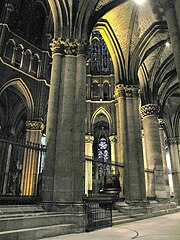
{"x":113,"y":142}
{"x":63,"y":177}
{"x":79,"y":125}
{"x":122,"y":135}
{"x":173,"y":32}
{"x":88,"y":164}
{"x":156,"y":182}
{"x":52,"y":121}
{"x":138,"y":141}
{"x":175,"y":167}
{"x":163,"y":150}
{"x":31,"y":159}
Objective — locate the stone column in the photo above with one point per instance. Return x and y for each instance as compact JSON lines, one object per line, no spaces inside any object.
{"x":136,"y":188}
{"x":31,"y":159}
{"x":174,"y":32}
{"x":88,"y":164}
{"x":79,"y":124}
{"x":163,"y":150}
{"x":153,"y":148}
{"x":113,"y":143}
{"x":64,"y":162}
{"x":175,"y":165}
{"x":52,"y":119}
{"x":138,"y":141}
{"x":121,"y":116}
{"x":3,"y":26}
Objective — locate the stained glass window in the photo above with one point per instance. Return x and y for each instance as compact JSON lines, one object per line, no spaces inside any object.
{"x":100,"y":57}
{"x":103,"y":155}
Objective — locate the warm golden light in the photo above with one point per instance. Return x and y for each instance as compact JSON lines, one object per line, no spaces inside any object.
{"x":168,"y":44}
{"x":139,"y":1}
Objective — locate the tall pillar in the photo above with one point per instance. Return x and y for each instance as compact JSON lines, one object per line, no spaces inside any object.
{"x":52,"y":119}
{"x":163,"y":150}
{"x":113,"y":142}
{"x":153,"y":148}
{"x":64,"y":165}
{"x":79,"y":123}
{"x":31,"y":159}
{"x":138,"y":141}
{"x":175,"y":165}
{"x":136,"y":188}
{"x":88,"y":164}
{"x":121,"y":117}
{"x":174,"y":32}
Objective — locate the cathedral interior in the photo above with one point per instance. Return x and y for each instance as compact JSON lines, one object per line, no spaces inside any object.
{"x":89,"y":105}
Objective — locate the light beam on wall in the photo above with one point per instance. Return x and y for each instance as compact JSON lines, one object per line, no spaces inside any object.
{"x":139,"y":2}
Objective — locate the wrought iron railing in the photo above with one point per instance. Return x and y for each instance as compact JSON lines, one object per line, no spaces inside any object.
{"x":98,"y":213}
{"x":20,"y":164}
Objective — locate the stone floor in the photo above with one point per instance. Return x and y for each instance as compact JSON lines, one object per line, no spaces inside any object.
{"x":165,"y":227}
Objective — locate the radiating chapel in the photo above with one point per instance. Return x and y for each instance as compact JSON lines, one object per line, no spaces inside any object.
{"x":89,"y":113}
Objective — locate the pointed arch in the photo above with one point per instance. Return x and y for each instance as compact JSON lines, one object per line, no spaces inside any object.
{"x":23,"y":91}
{"x":99,"y":111}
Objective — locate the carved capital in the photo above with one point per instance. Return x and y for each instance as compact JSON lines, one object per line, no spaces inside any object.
{"x":149,"y":109}
{"x":57,"y":46}
{"x":119,"y":91}
{"x":82,"y":47}
{"x":70,"y":47}
{"x":172,"y":140}
{"x":89,"y":139}
{"x":113,"y":139}
{"x":34,"y":125}
{"x":161,"y":123}
{"x":129,"y":92}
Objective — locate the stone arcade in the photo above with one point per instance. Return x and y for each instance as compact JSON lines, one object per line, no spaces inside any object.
{"x":89,"y":109}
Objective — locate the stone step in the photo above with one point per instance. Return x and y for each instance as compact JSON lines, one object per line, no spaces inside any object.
{"x":39,"y":220}
{"x":38,"y":232}
{"x":14,"y":209}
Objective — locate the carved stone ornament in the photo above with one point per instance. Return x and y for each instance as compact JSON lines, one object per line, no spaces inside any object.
{"x":89,"y":139}
{"x":129,"y":92}
{"x":34,"y":125}
{"x":149,"y":109}
{"x":119,"y":91}
{"x":57,"y":46}
{"x":113,"y":139}
{"x":161,"y":123}
{"x":173,"y":140}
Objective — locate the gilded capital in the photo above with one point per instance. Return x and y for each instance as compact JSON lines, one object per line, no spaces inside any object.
{"x":34,"y":125}
{"x":119,"y":91}
{"x":113,"y":139}
{"x":161,"y":123}
{"x":89,"y":139}
{"x":149,"y":109}
{"x":57,"y":46}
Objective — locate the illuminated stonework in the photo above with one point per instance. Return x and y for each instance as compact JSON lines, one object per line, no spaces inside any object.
{"x":119,"y":91}
{"x":34,"y":125}
{"x":149,"y":109}
{"x":161,"y":123}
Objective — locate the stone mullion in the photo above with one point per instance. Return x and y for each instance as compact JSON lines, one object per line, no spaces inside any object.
{"x":138,"y":141}
{"x":175,"y":165}
{"x":79,"y":125}
{"x":156,"y":181}
{"x":121,"y":117}
{"x":163,"y":150}
{"x":174,"y":32}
